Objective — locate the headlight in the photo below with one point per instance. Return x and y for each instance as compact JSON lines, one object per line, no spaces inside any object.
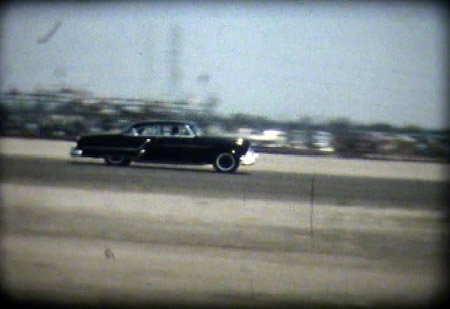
{"x":240,"y":141}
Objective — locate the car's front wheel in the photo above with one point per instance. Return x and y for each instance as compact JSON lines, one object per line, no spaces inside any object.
{"x":117,"y":160}
{"x":226,"y":163}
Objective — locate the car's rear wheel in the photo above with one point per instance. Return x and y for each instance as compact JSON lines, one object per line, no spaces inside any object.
{"x":226,"y":163}
{"x":117,"y":160}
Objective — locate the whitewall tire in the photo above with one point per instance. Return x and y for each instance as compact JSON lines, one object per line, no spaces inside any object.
{"x":226,"y":163}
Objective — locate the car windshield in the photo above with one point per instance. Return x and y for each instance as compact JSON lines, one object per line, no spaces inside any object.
{"x":128,"y":129}
{"x":196,"y":130}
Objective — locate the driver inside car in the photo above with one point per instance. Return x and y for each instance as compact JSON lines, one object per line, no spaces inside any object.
{"x":175,"y":131}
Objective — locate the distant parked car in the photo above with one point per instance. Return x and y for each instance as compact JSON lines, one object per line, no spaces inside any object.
{"x":270,"y":139}
{"x":166,"y":142}
{"x":300,"y":139}
{"x":355,"y":143}
{"x":322,"y":141}
{"x":434,"y":146}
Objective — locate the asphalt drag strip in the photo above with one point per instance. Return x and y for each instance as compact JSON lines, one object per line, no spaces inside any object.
{"x":200,"y":181}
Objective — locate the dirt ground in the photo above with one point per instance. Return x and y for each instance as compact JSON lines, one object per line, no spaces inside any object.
{"x":195,"y":250}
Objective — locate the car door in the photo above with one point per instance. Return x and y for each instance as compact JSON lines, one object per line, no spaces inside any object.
{"x":148,"y":136}
{"x":177,"y":144}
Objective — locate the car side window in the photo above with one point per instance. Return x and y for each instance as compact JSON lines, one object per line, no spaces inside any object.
{"x":183,"y":131}
{"x":178,"y":130}
{"x":150,"y":130}
{"x":132,"y":132}
{"x":167,"y":130}
{"x":161,"y":130}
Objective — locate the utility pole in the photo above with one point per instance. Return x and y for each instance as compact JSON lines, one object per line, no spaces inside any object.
{"x":174,"y":54}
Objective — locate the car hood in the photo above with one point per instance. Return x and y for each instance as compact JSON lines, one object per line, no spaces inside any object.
{"x":224,"y":140}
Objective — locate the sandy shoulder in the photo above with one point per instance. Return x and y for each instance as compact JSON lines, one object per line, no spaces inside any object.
{"x":204,"y":250}
{"x":192,"y":210}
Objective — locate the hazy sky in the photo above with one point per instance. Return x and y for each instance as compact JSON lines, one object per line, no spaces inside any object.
{"x":367,"y":61}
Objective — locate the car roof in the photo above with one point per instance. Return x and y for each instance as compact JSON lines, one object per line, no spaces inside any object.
{"x":145,"y":122}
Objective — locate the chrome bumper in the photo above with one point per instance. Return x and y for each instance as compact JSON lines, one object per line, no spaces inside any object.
{"x":75,"y":152}
{"x":249,"y":158}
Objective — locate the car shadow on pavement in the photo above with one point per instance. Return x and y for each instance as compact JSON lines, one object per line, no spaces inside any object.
{"x":168,"y":167}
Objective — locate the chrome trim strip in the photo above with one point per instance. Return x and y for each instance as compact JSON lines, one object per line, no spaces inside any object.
{"x":110,"y":148}
{"x":142,"y":148}
{"x":148,"y":140}
{"x":126,"y":149}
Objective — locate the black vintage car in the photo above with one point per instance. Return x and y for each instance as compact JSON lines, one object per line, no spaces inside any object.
{"x":166,"y":142}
